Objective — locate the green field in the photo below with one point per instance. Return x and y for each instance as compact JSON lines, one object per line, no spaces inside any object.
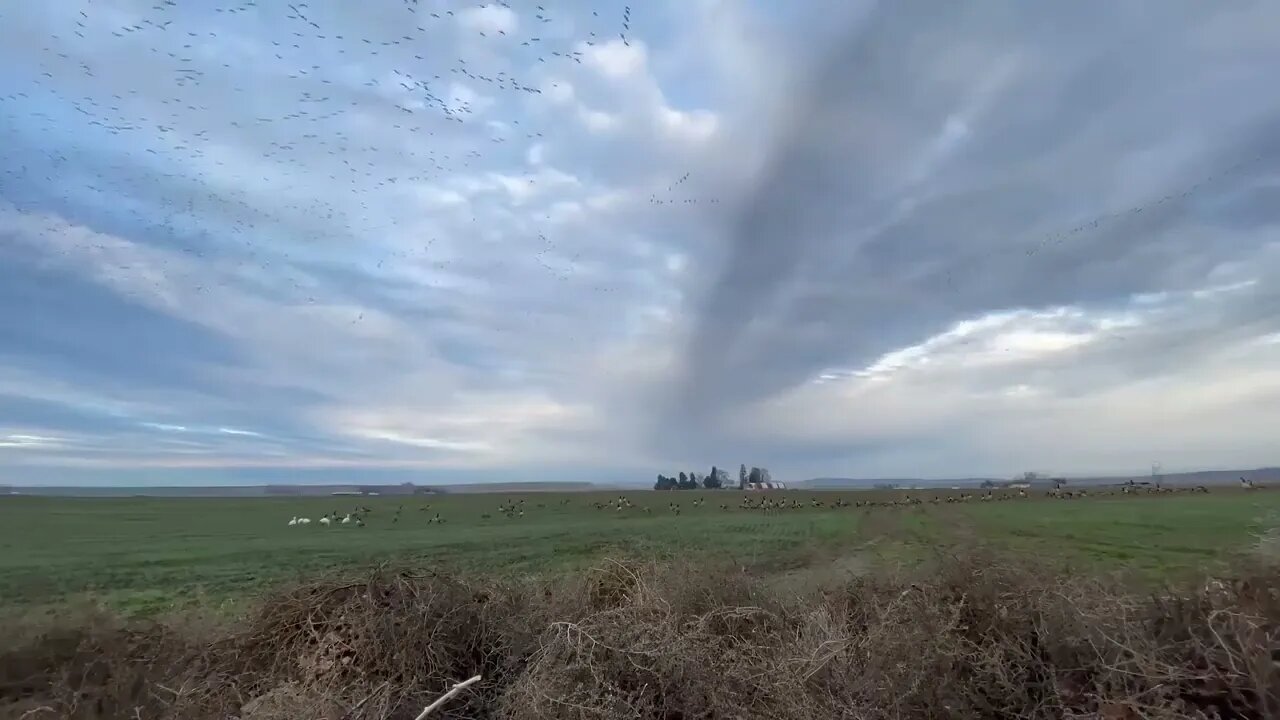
{"x":141,"y":555}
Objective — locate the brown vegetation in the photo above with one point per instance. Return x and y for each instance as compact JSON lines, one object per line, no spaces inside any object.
{"x":973,"y":638}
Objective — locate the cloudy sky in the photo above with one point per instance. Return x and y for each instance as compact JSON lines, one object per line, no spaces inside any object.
{"x":433,"y":240}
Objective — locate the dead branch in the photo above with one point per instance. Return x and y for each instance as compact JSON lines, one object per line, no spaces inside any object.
{"x":445,"y":698}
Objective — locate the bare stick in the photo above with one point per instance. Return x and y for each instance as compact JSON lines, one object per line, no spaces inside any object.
{"x":351,"y":713}
{"x":445,"y":697}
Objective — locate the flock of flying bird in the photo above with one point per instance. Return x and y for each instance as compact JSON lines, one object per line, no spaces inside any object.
{"x":161,"y":86}
{"x":304,"y":144}
{"x":421,"y":111}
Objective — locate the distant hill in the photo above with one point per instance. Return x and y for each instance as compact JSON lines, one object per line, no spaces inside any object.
{"x":835,"y":483}
{"x":1203,"y":477}
{"x":522,"y":487}
{"x":265,"y":491}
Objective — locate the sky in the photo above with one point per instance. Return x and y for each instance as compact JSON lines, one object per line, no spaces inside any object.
{"x":441,"y":241}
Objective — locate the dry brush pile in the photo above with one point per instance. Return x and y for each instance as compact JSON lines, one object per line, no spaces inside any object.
{"x":974,"y":638}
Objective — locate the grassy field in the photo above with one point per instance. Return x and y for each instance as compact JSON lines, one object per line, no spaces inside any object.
{"x":140,"y":555}
{"x":1065,"y":616}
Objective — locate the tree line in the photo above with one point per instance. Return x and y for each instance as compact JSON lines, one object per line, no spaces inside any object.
{"x":716,"y":479}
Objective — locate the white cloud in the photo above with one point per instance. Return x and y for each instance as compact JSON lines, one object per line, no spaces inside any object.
{"x":26,"y":441}
{"x":239,"y":432}
{"x":491,"y":19}
{"x":694,"y":127}
{"x":597,"y":121}
{"x":165,"y":427}
{"x":559,"y":91}
{"x":615,"y":59}
{"x":424,"y":442}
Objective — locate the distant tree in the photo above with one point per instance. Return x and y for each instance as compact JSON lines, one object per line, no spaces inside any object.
{"x":665,"y":483}
{"x":688,"y":482}
{"x":712,"y":481}
{"x":765,"y":477}
{"x":742,"y":476}
{"x":753,"y":477}
{"x":683,"y":478}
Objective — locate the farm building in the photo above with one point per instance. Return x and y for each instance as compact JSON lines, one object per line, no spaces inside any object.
{"x":772,"y":485}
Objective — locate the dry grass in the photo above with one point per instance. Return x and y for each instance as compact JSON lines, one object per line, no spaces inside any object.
{"x":974,"y":638}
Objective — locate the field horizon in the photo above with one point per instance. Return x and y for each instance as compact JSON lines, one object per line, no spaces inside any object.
{"x":1264,"y":474}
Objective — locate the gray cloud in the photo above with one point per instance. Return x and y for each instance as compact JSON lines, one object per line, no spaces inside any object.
{"x":950,"y":159}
